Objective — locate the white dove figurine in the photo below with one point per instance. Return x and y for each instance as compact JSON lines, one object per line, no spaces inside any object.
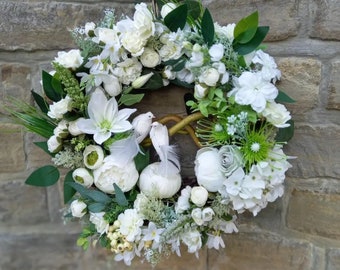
{"x":141,"y":125}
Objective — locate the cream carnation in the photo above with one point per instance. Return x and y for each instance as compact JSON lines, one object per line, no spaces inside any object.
{"x":71,"y":59}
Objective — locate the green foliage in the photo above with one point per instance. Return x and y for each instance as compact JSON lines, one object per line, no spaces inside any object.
{"x":90,"y":194}
{"x":41,"y":102}
{"x":130,"y":99}
{"x":51,"y":88}
{"x":285,"y":134}
{"x":43,"y":146}
{"x":283,"y":97}
{"x":142,"y":159}
{"x":120,"y":197}
{"x":68,"y":190}
{"x":155,"y":82}
{"x":207,"y":28}
{"x":87,"y":232}
{"x":177,"y":18}
{"x":43,"y":177}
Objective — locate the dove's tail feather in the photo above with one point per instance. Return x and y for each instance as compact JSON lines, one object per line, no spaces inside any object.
{"x":169,"y":164}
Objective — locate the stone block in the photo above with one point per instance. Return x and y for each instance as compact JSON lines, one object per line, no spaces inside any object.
{"x":12,"y":155}
{"x":36,"y":157}
{"x":258,"y":250}
{"x":271,"y":13}
{"x":44,"y":25}
{"x":325,"y":23}
{"x":316,"y":150}
{"x":334,"y":87}
{"x":22,"y":204}
{"x":314,"y":213}
{"x":333,"y":259}
{"x":301,"y":80}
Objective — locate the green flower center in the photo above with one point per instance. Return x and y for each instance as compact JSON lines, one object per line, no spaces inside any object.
{"x":105,"y":125}
{"x":92,"y":158}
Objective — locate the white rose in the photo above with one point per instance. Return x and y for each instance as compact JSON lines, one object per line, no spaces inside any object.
{"x":105,"y":35}
{"x":193,"y":240}
{"x":98,"y":220}
{"x":133,"y":42}
{"x":73,"y":127}
{"x":210,"y":77}
{"x":83,"y":177}
{"x":199,"y":196}
{"x":77,"y":208}
{"x":196,"y":215}
{"x":276,"y":114}
{"x":112,"y":85}
{"x":93,"y":156}
{"x":183,"y":200}
{"x":59,"y":108}
{"x":108,"y":174}
{"x":143,"y":21}
{"x":208,"y":169}
{"x":54,"y":144}
{"x":200,"y":91}
{"x":150,"y":58}
{"x":207,"y":214}
{"x":216,"y":52}
{"x":71,"y":59}
{"x":139,"y":82}
{"x":167,"y":8}
{"x":231,"y":159}
{"x":61,"y":130}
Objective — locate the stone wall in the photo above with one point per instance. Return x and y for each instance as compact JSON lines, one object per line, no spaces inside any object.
{"x":299,"y":231}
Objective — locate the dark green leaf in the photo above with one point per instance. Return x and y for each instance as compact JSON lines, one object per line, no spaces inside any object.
{"x":50,"y":92}
{"x":130,"y":99}
{"x":57,"y":86}
{"x":43,"y":177}
{"x":154,"y":83}
{"x":194,"y":9}
{"x":43,"y":146}
{"x":142,"y":160}
{"x":40,"y":102}
{"x":120,"y":196}
{"x":68,"y":190}
{"x":96,"y":207}
{"x":285,"y":134}
{"x":253,"y":44}
{"x":283,"y":97}
{"x":246,"y":28}
{"x":177,"y":64}
{"x":91,"y":194}
{"x":177,"y":18}
{"x":207,"y":26}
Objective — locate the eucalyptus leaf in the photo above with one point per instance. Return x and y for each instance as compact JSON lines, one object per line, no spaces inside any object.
{"x":43,"y":177}
{"x":95,"y":195}
{"x":207,"y":27}
{"x":49,"y":90}
{"x":283,"y":97}
{"x":120,"y":196}
{"x":130,"y":99}
{"x":68,"y":190}
{"x":177,"y":18}
{"x":40,"y":102}
{"x":96,"y":207}
{"x":246,"y":28}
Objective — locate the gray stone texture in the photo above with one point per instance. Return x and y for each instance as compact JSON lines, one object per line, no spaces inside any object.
{"x":298,"y":231}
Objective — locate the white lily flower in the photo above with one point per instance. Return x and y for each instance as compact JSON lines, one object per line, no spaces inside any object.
{"x":105,"y":118}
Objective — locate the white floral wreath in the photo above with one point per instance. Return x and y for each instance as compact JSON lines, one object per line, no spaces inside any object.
{"x":136,"y":207}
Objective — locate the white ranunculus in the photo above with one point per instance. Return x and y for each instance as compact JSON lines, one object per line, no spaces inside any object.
{"x":276,"y":114}
{"x":207,"y":214}
{"x":199,"y":196}
{"x":134,"y":43}
{"x":183,"y":200}
{"x":210,"y":77}
{"x":54,"y":144}
{"x":59,"y":108}
{"x":167,"y":8}
{"x":150,"y":58}
{"x":139,"y":82}
{"x":192,"y":239}
{"x":89,"y":28}
{"x":73,"y":127}
{"x":71,"y":59}
{"x":93,"y":156}
{"x":231,"y":158}
{"x":216,"y":52}
{"x":200,"y":91}
{"x":83,"y":177}
{"x":111,"y":85}
{"x":98,"y":220}
{"x":61,"y":130}
{"x":77,"y":208}
{"x":208,"y":169}
{"x":196,"y":215}
{"x":108,"y":174}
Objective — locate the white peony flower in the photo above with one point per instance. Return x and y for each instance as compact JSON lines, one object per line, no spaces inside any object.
{"x":98,"y":220}
{"x":192,"y":239}
{"x":276,"y":114}
{"x":71,"y":59}
{"x":199,"y":196}
{"x":134,"y":42}
{"x":83,"y":177}
{"x":216,"y":52}
{"x":59,"y":108}
{"x":208,"y":169}
{"x":167,"y":8}
{"x":131,"y":224}
{"x":150,"y":58}
{"x":108,"y":174}
{"x":54,"y":144}
{"x":78,"y":208}
{"x":251,"y":89}
{"x":93,"y":156}
{"x":210,"y":77}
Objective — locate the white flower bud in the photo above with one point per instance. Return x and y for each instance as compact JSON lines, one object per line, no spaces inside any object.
{"x":61,"y":130}
{"x":77,"y":208}
{"x":54,"y":144}
{"x":200,"y":91}
{"x":93,"y":156}
{"x":199,"y":196}
{"x":83,"y":177}
{"x":73,"y":127}
{"x":139,"y":82}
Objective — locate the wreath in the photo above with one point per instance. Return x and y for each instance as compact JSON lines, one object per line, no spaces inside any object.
{"x":134,"y":205}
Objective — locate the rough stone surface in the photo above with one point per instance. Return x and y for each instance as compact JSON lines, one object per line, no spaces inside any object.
{"x":333,"y":258}
{"x":334,"y":88}
{"x":314,"y":213}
